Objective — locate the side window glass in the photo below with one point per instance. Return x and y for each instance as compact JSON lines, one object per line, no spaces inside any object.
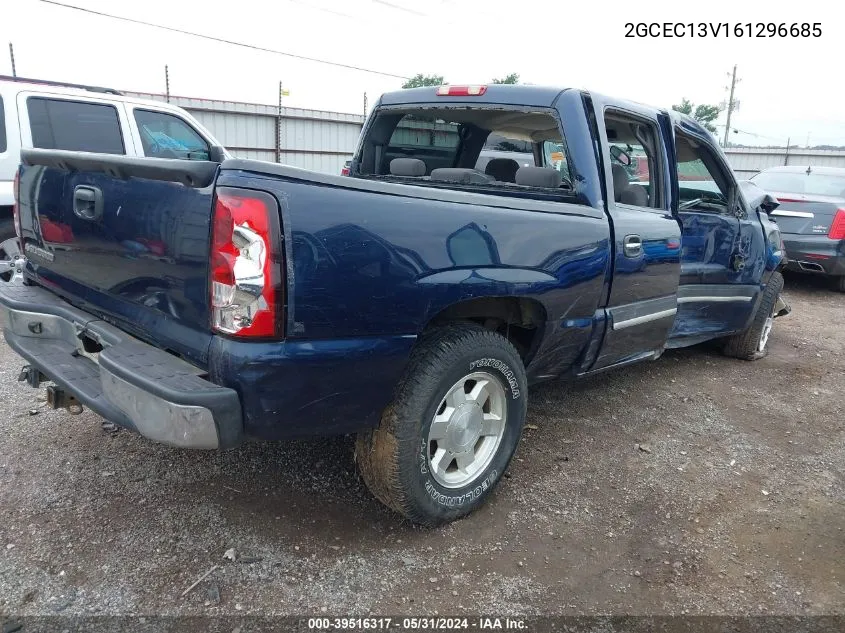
{"x":74,"y":125}
{"x":554,"y":155}
{"x":702,"y":184}
{"x":633,"y":146}
{"x":2,"y":127}
{"x":167,"y":136}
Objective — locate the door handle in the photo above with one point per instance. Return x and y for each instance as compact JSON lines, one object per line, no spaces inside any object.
{"x":88,"y":202}
{"x":632,"y":245}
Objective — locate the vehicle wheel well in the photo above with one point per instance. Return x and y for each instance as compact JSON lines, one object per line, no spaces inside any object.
{"x":518,"y":319}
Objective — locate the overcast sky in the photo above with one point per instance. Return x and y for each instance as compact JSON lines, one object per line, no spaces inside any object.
{"x":790,"y":86}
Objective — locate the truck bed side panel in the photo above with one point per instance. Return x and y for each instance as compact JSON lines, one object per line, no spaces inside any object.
{"x":368,"y":271}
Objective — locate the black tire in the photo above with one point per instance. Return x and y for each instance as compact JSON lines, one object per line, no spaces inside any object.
{"x":394,"y":458}
{"x":745,"y":345}
{"x":7,"y":225}
{"x":839,"y":283}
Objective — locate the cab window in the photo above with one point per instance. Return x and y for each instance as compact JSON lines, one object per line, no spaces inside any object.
{"x":168,"y":136}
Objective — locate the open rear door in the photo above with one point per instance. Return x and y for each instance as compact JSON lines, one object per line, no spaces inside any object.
{"x":646,"y":237}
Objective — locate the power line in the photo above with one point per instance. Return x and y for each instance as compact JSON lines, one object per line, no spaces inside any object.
{"x":224,"y":41}
{"x":400,"y":8}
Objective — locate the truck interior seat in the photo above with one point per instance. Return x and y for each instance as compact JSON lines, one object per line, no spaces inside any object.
{"x":624,"y":191}
{"x":460,"y":175}
{"x":412,"y":167}
{"x":546,"y":177}
{"x":502,"y":169}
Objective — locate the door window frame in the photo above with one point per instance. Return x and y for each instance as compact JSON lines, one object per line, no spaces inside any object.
{"x":136,"y":129}
{"x":129,"y":145}
{"x":733,"y":199}
{"x":26,"y":121}
{"x":660,"y":159}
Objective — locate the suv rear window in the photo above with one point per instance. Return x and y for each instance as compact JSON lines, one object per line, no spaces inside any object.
{"x":2,"y":127}
{"x":74,"y":125}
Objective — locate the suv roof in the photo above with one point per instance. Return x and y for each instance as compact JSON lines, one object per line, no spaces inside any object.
{"x":46,"y":82}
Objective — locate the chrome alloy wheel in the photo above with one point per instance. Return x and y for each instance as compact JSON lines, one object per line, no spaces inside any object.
{"x":467,"y":430}
{"x":11,"y":260}
{"x":764,"y":335}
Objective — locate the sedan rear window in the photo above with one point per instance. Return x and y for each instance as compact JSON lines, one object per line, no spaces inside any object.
{"x":802,"y":183}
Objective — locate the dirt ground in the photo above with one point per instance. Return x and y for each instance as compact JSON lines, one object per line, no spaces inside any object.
{"x":694,"y":484}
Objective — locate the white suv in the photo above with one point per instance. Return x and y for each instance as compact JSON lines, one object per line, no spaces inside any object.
{"x":53,"y":115}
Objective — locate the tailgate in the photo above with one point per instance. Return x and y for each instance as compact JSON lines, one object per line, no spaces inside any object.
{"x":805,"y":214}
{"x":126,"y":239}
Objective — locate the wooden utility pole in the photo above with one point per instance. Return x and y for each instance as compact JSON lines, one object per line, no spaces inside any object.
{"x":12,"y":56}
{"x":365,"y":104}
{"x":167,"y":83}
{"x":786,"y":158}
{"x":731,"y":106}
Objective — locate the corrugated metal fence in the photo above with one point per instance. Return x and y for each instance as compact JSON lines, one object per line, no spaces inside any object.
{"x":312,"y":139}
{"x":322,"y":141}
{"x":747,"y":161}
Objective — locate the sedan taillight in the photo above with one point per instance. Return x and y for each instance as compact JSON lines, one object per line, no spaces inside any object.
{"x":837,"y":227}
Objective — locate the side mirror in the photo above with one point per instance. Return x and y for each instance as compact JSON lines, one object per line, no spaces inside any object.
{"x":216,"y":154}
{"x":620,"y":155}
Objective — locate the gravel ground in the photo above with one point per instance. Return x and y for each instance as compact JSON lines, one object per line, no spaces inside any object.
{"x":694,"y":484}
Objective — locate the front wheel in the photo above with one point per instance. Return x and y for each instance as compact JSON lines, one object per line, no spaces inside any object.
{"x":752,"y":344}
{"x":452,"y":428}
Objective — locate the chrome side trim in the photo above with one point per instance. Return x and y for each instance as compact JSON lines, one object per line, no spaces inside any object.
{"x":717,"y":292}
{"x":792,"y":214}
{"x":645,"y":318}
{"x":711,"y":299}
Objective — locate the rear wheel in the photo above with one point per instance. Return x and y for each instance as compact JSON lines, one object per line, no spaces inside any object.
{"x":452,"y":429}
{"x":839,"y":283}
{"x":752,"y":344}
{"x":9,"y":252}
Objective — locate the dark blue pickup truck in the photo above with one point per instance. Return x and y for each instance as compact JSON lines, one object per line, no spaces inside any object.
{"x":204,"y":303}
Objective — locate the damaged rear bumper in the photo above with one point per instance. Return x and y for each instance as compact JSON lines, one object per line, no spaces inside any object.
{"x":125,"y":380}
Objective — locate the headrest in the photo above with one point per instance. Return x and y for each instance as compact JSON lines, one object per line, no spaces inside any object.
{"x":407,"y":167}
{"x":538,"y":177}
{"x":460,"y":175}
{"x":620,"y":179}
{"x":502,"y":169}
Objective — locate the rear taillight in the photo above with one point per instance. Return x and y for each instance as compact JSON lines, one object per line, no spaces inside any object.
{"x":461,"y":91}
{"x":837,"y":227}
{"x":344,"y":171}
{"x":16,"y":211}
{"x":246,"y":279}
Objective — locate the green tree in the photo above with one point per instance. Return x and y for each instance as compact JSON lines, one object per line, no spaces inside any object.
{"x":703,"y":113}
{"x":419,"y":80}
{"x":513,"y":78}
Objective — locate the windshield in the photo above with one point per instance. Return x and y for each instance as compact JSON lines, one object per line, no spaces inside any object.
{"x":802,"y":183}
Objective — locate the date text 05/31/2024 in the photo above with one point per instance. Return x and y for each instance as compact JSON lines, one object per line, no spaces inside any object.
{"x":723,"y":29}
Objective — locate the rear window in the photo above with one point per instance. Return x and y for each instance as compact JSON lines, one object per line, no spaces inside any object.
{"x":2,"y":127}
{"x":74,"y":125}
{"x":498,"y":149}
{"x":802,"y":183}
